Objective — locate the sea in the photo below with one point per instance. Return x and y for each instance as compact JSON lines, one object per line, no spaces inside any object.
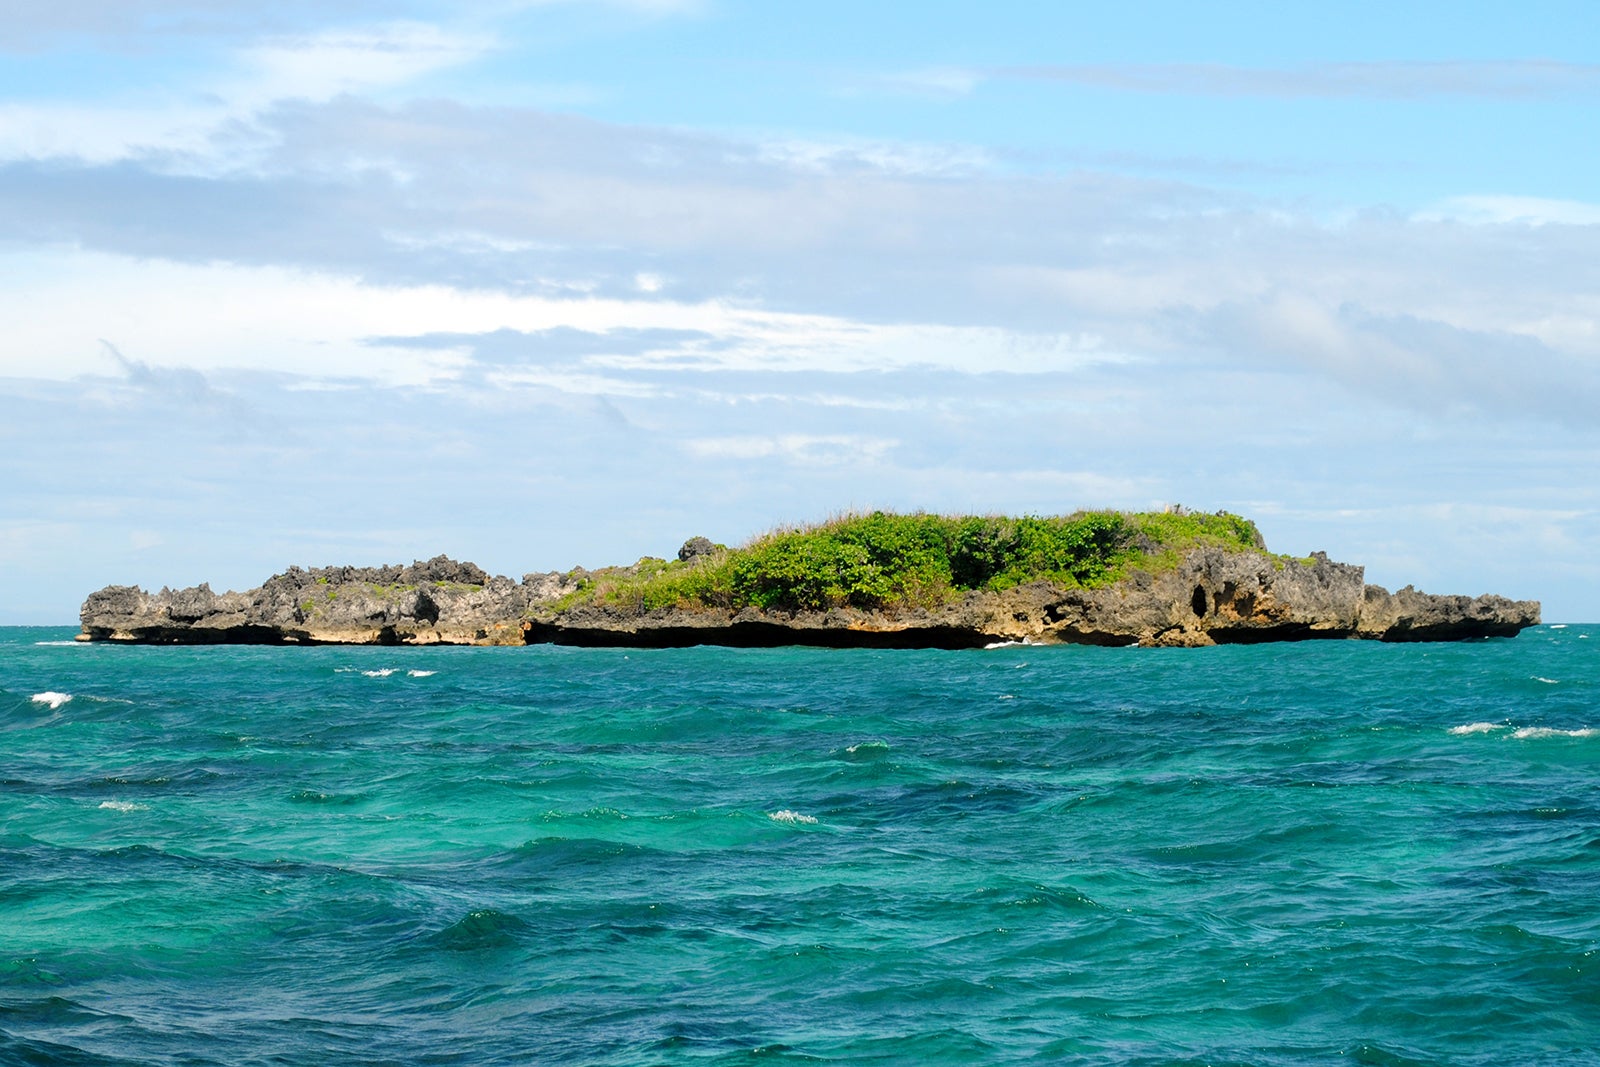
{"x":1325,"y":852}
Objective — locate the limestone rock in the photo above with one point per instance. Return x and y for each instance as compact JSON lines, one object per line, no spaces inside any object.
{"x":552,"y":586}
{"x":1408,"y":615}
{"x":433,"y":601}
{"x":1212,"y":597}
{"x":696,"y":547}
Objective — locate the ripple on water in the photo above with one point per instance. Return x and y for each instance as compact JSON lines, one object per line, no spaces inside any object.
{"x":1339,"y":852}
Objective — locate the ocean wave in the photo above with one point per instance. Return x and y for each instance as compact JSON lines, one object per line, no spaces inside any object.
{"x":1522,"y":732}
{"x":550,"y":855}
{"x":484,"y":928}
{"x":791,"y":817}
{"x":52,"y":698}
{"x":1546,"y":681}
{"x":312,"y":796}
{"x":603,"y":814}
{"x":381,"y":672}
{"x":122,"y":805}
{"x":61,"y":644}
{"x":421,"y":674}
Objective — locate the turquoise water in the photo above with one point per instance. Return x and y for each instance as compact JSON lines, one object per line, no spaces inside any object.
{"x":1323,"y":852}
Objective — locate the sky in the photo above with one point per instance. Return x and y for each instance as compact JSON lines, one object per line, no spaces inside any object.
{"x":545,"y":283}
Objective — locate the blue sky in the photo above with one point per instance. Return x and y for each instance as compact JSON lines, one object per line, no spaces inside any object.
{"x":552,"y":283}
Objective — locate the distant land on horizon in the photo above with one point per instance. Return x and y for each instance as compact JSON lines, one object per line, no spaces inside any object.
{"x":878,"y":579}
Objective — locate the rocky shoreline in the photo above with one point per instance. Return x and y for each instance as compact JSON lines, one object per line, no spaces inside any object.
{"x":1214,"y":596}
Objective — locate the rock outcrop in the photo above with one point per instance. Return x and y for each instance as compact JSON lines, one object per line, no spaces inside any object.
{"x":438,"y":601}
{"x":1214,"y":596}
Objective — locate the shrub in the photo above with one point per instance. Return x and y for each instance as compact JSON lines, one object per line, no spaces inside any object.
{"x":885,"y":560}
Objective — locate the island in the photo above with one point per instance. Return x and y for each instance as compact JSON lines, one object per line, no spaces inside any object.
{"x":878,"y":580}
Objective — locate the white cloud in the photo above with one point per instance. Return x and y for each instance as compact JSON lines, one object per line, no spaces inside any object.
{"x":576,"y":383}
{"x":65,"y":306}
{"x":207,"y":123}
{"x":811,"y":449}
{"x":1526,"y":210}
{"x":323,"y":65}
{"x":899,"y":158}
{"x":103,"y":133}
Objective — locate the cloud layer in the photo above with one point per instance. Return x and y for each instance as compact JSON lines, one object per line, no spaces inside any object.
{"x":539,"y":221}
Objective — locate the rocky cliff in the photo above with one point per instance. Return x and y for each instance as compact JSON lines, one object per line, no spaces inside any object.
{"x":438,"y":601}
{"x":1213,"y":596}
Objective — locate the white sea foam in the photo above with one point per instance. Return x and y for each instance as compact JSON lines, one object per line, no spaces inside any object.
{"x":1546,"y":681}
{"x":1550,"y":731}
{"x":791,"y":817}
{"x":868,"y":746}
{"x":1005,"y":644}
{"x":51,"y":697}
{"x":122,"y":805}
{"x":421,"y":674}
{"x":1558,"y":626}
{"x":381,"y":672}
{"x":60,"y":644}
{"x":1478,"y":727}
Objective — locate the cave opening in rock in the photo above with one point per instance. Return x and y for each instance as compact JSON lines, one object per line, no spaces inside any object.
{"x":427,"y":609}
{"x":1198,"y":601}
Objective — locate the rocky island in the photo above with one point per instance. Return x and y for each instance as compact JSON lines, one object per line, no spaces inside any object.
{"x":880,"y":580}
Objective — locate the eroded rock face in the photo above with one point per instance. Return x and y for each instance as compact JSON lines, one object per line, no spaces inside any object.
{"x":552,"y":586}
{"x":1408,"y":615}
{"x":429,"y":602}
{"x":1218,"y":597}
{"x":1213,"y":597}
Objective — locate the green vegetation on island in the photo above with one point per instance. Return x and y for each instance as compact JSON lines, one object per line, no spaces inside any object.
{"x":884,"y":560}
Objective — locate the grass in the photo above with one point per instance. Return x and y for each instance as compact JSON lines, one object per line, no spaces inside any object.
{"x":889,"y":561}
